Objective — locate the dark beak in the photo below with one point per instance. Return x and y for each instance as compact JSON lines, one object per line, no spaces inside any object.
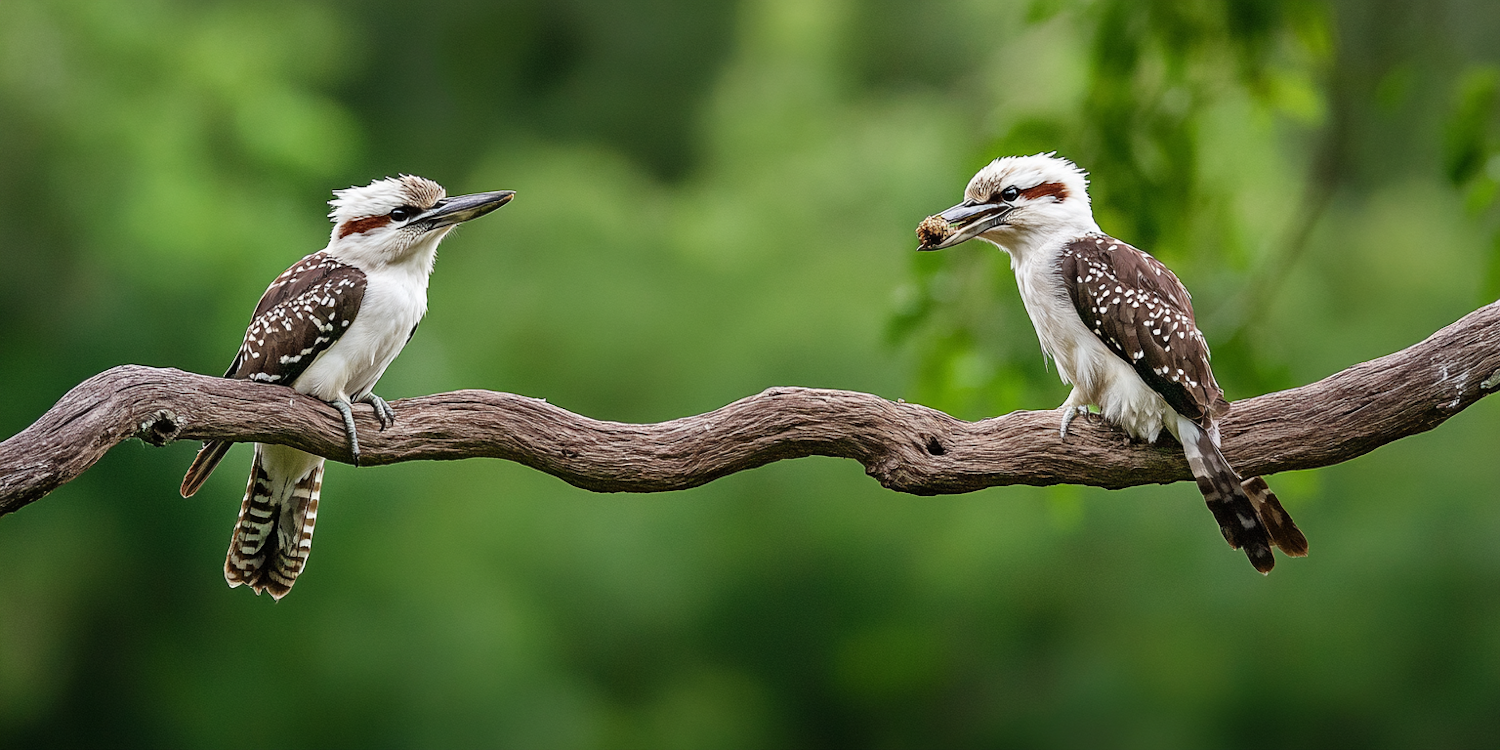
{"x":461,"y":208}
{"x":966,"y":221}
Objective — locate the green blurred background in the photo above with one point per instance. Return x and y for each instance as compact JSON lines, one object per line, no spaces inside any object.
{"x":714,"y":198}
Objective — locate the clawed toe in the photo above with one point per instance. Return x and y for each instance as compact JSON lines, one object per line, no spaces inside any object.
{"x":383,"y":411}
{"x":348,"y":414}
{"x":1071,"y":413}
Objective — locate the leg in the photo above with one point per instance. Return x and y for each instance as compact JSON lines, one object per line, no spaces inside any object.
{"x":348,"y":413}
{"x":1071,"y":410}
{"x":383,"y":411}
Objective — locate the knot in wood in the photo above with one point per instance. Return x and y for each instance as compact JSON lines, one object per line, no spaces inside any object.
{"x":160,"y":428}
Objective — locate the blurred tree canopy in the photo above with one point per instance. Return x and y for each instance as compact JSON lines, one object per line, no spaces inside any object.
{"x":714,"y":198}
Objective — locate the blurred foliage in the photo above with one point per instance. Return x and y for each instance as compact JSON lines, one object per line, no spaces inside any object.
{"x":714,"y":198}
{"x":1472,"y":155}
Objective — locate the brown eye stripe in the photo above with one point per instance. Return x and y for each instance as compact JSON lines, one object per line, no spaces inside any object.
{"x":1054,"y":189}
{"x":360,"y":226}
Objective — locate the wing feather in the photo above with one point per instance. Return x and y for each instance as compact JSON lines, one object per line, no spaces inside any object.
{"x":1143,"y":313}
{"x":304,"y":311}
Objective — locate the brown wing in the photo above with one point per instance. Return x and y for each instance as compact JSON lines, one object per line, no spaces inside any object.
{"x":305,"y":310}
{"x":1142,"y":312}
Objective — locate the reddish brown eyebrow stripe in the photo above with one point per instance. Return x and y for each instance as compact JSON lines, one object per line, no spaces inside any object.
{"x":1054,"y":189}
{"x":360,"y":226}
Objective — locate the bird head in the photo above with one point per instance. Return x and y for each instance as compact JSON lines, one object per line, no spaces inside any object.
{"x":1014,"y":200}
{"x":399,"y":218}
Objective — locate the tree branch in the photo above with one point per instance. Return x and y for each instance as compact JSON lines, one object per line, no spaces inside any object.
{"x":906,"y":447}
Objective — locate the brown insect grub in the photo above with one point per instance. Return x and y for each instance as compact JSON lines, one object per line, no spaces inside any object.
{"x":933,"y":230}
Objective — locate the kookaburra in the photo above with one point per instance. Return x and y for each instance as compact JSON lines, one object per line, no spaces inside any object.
{"x":328,"y":327}
{"x":1120,"y":327}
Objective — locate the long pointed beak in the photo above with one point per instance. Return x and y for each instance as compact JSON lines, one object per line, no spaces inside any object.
{"x":964,"y":222}
{"x":461,"y":208}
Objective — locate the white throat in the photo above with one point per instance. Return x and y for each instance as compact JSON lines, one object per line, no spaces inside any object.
{"x":375,"y":254}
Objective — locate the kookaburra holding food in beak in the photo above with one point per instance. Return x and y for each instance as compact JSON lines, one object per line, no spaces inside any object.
{"x":1120,"y":327}
{"x":328,"y":327}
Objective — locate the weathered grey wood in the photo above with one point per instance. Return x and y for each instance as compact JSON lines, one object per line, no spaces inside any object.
{"x":906,"y":447}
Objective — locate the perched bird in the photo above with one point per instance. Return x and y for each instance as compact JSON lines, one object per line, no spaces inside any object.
{"x":328,"y":327}
{"x":1120,"y":326}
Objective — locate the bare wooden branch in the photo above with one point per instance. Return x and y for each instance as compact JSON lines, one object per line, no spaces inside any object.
{"x":906,"y":447}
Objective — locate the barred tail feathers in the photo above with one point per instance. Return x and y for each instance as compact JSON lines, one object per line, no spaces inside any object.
{"x":1226,"y":497}
{"x":1283,"y":530}
{"x":203,"y":465}
{"x":273,"y":536}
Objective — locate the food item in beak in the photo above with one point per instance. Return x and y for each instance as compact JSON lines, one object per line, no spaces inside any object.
{"x":933,"y":230}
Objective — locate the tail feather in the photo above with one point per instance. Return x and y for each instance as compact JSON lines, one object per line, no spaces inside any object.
{"x":273,"y":536}
{"x":203,"y":465}
{"x":294,"y":535}
{"x":1226,"y":497}
{"x":1283,"y":530}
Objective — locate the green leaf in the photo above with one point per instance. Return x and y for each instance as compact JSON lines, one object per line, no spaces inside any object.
{"x":1467,"y":133}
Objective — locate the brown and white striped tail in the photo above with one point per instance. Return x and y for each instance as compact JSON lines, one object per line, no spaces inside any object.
{"x":1237,"y":516}
{"x":274,"y":534}
{"x":1284,"y":532}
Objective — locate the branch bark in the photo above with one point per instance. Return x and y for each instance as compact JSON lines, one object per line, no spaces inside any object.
{"x":906,"y":447}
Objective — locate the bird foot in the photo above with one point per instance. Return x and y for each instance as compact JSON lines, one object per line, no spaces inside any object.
{"x":1071,"y":413}
{"x":383,"y":411}
{"x":348,"y":413}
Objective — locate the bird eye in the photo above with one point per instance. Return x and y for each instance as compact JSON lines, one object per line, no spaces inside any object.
{"x":1009,"y":194}
{"x":403,"y":213}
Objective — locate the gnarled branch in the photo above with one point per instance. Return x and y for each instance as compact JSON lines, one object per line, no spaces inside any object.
{"x":906,"y":447}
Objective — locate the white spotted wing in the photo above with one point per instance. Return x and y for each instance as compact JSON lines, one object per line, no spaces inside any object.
{"x":1143,"y":313}
{"x":305,"y":310}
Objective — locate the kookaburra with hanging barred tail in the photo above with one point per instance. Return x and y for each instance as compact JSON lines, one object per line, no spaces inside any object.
{"x":1120,"y":327}
{"x":328,"y":327}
